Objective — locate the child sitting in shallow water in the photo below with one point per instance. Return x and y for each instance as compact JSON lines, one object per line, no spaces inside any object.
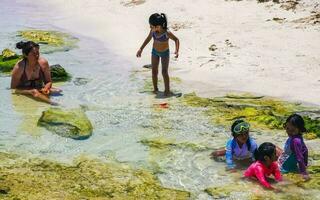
{"x":265,"y":165}
{"x":295,"y":155}
{"x":240,"y":147}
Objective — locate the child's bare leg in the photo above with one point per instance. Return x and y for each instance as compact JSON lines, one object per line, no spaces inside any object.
{"x":155,"y":66}
{"x":165,"y":74}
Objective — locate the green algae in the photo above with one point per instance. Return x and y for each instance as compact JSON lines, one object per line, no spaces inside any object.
{"x":7,"y":54}
{"x":164,"y":143}
{"x":85,"y":179}
{"x":59,"y":74}
{"x":313,"y":183}
{"x":7,"y":65}
{"x":220,"y":192}
{"x":51,"y":40}
{"x":71,"y":123}
{"x":260,"y":112}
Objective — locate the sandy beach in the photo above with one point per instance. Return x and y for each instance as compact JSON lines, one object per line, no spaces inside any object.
{"x":266,"y":48}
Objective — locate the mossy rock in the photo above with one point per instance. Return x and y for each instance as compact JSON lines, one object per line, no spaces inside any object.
{"x":260,"y":112}
{"x":59,"y":74}
{"x":220,"y":191}
{"x":163,"y":143}
{"x":50,"y":41}
{"x":7,"y":54}
{"x":85,"y":179}
{"x":6,"y":65}
{"x":71,"y":123}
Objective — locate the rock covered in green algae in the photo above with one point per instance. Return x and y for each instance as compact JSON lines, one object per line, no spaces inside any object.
{"x":85,"y":179}
{"x":58,"y":73}
{"x":162,"y":143}
{"x":220,"y":192}
{"x":7,"y":54}
{"x":51,"y":40}
{"x":261,"y":112}
{"x":7,"y":60}
{"x":71,"y":123}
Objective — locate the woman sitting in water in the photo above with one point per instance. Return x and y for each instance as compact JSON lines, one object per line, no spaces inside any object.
{"x":31,"y":75}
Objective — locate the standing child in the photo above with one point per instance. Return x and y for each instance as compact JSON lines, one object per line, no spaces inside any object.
{"x":160,"y":34}
{"x":295,"y":155}
{"x":265,"y":165}
{"x":240,"y":147}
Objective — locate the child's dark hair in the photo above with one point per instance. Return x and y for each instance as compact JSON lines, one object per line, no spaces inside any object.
{"x":297,"y":121}
{"x":265,"y":149}
{"x":157,"y":19}
{"x":26,"y":46}
{"x":235,"y":123}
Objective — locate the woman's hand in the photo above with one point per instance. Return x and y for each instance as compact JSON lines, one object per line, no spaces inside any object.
{"x":35,"y":93}
{"x":139,"y":53}
{"x":45,"y":91}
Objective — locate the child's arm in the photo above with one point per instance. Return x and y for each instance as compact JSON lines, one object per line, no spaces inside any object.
{"x":146,"y":41}
{"x":229,"y":160}
{"x":261,"y":177}
{"x":276,"y":171}
{"x":253,"y":147}
{"x":177,"y":43}
{"x":297,"y":149}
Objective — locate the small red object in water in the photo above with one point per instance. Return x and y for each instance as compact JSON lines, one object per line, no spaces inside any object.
{"x":164,"y":105}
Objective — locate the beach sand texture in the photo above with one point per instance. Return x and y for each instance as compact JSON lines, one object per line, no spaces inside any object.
{"x":264,"y":48}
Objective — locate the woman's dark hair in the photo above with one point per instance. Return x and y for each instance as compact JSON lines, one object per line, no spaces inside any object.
{"x":297,"y":121}
{"x":157,"y":19}
{"x":235,"y":123}
{"x":265,"y":149}
{"x":26,"y":46}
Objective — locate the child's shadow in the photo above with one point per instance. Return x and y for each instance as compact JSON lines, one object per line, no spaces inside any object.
{"x":160,"y":95}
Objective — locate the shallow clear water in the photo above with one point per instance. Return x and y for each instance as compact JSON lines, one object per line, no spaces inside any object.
{"x":121,"y":114}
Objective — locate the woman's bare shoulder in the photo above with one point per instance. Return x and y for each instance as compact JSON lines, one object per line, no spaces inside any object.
{"x":42,"y":60}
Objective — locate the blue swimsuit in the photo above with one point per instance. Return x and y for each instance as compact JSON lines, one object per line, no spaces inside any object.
{"x":161,"y":38}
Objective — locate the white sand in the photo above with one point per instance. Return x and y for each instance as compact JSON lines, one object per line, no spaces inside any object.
{"x":264,"y":56}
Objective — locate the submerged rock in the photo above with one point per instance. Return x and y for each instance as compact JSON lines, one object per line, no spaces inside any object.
{"x":7,"y":54}
{"x":7,"y":60}
{"x":85,"y":179}
{"x":261,"y":112}
{"x":162,"y":143}
{"x":71,"y":123}
{"x":58,"y":73}
{"x":51,"y":40}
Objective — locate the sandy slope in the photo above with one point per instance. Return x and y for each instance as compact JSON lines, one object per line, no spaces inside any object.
{"x":257,"y":47}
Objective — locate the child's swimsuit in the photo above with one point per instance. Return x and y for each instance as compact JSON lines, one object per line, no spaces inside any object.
{"x":161,"y":38}
{"x":295,"y":154}
{"x":35,"y":83}
{"x":233,"y":151}
{"x":260,"y":171}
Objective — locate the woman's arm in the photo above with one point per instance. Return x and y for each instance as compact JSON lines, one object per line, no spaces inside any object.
{"x":177,"y":43}
{"x":47,"y":75}
{"x":146,"y":41}
{"x":15,"y":76}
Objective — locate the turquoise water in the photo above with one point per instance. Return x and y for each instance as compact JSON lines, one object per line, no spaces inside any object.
{"x":122,"y":112}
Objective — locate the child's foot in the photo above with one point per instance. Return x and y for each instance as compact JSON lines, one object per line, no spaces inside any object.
{"x":167,"y":93}
{"x":155,"y":91}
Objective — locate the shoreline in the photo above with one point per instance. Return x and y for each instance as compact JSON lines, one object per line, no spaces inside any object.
{"x":251,"y":52}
